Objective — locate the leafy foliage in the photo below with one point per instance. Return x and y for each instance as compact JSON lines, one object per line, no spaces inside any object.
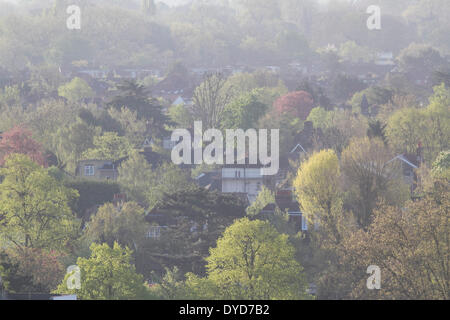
{"x":34,"y":207}
{"x":195,"y":218}
{"x":252,"y":261}
{"x":407,"y":244}
{"x":76,"y":90}
{"x":124,"y":224}
{"x":92,"y":194}
{"x":19,"y":141}
{"x":107,"y":275}
{"x":297,"y":104}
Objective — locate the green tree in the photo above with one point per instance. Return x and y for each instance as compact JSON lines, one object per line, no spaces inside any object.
{"x":136,"y":177}
{"x":135,"y":97}
{"x":374,"y":95}
{"x":170,"y":286}
{"x":167,"y":179}
{"x":265,"y":196}
{"x":344,"y":86}
{"x":34,"y":207}
{"x":244,"y":112}
{"x":124,"y":224}
{"x":108,"y":146}
{"x":420,"y":59}
{"x":244,"y":82}
{"x":181,"y":116}
{"x":351,"y":51}
{"x":10,"y":95}
{"x":195,"y":218}
{"x":317,"y":188}
{"x":429,"y":127}
{"x":320,"y":117}
{"x":107,"y":275}
{"x":253,"y":261}
{"x":377,"y":129}
{"x":70,"y":142}
{"x":441,"y":166}
{"x":48,"y":117}
{"x":340,"y":127}
{"x":76,"y":90}
{"x":133,"y":128}
{"x":92,"y":195}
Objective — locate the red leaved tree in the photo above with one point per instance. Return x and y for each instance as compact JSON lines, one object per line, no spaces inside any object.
{"x":19,"y":140}
{"x":43,"y":267}
{"x":296,"y":104}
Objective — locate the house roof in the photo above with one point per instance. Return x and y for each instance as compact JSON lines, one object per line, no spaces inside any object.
{"x":408,"y":159}
{"x":210,"y":180}
{"x":178,"y":101}
{"x":298,"y":148}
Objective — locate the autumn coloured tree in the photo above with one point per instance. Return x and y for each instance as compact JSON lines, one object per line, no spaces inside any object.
{"x":31,"y":270}
{"x":369,"y":176}
{"x":19,"y":140}
{"x":298,"y":104}
{"x":410,"y":246}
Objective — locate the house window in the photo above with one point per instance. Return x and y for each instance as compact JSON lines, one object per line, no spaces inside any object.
{"x":89,"y":170}
{"x":304,"y":223}
{"x":154,"y":232}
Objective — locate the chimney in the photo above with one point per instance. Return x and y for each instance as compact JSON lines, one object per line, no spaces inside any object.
{"x":148,"y":128}
{"x":419,"y":154}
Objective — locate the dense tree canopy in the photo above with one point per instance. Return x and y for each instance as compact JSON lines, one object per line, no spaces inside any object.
{"x":107,"y":275}
{"x":363,"y":120}
{"x":76,"y":90}
{"x":296,"y":104}
{"x":34,"y":207}
{"x":407,"y":244}
{"x":251,"y":261}
{"x":19,"y":141}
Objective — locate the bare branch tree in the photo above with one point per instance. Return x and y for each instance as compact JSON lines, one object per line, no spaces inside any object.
{"x":210,"y":99}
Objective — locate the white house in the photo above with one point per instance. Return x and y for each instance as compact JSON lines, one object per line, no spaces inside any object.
{"x":384,"y":59}
{"x":242,"y":179}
